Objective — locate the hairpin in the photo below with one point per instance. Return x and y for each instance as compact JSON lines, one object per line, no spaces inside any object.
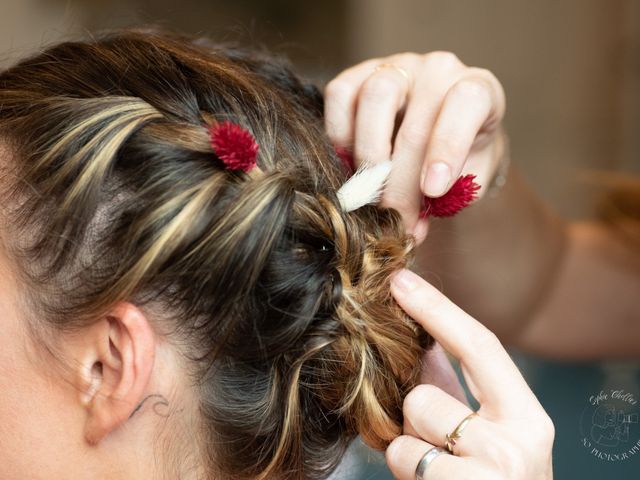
{"x":234,"y":145}
{"x":366,"y":183}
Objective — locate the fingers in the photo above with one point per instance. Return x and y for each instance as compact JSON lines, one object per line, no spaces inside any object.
{"x":382,"y":96}
{"x":446,"y":108}
{"x":488,"y":368}
{"x":403,"y":191}
{"x":464,"y":110}
{"x":472,"y":104}
{"x":340,"y":102}
{"x":430,"y":413}
{"x":361,"y":107}
{"x":405,"y":452}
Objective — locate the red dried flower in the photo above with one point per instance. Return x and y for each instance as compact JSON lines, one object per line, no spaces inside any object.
{"x":234,"y":145}
{"x":459,"y":196}
{"x":347,"y":159}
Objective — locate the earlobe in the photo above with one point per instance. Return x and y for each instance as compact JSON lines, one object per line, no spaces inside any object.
{"x":120,"y":362}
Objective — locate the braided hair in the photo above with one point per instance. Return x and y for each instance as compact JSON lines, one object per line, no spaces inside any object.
{"x":278,"y":299}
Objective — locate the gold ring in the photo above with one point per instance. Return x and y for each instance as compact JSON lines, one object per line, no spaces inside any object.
{"x":457,"y":432}
{"x":429,"y":456}
{"x":401,"y":70}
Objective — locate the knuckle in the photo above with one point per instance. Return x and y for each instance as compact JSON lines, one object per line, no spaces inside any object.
{"x":417,"y":398}
{"x":443,"y":59}
{"x":367,"y":152}
{"x":402,"y":202}
{"x":406,"y":59}
{"x":447,"y":146}
{"x":404,"y":56}
{"x":396,"y":449}
{"x":491,"y":82}
{"x":337,"y":89}
{"x":483,"y":73}
{"x":415,"y":136}
{"x":547,"y":428}
{"x":485,"y":341}
{"x":379,"y":87}
{"x":474,"y":89}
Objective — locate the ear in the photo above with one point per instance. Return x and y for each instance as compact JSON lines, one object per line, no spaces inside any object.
{"x":116,"y":356}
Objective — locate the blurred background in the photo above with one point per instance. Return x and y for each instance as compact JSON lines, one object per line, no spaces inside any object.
{"x":570,"y":68}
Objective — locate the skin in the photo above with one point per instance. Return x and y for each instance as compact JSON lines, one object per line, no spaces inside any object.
{"x":106,"y":423}
{"x":105,"y":373}
{"x":449,"y":124}
{"x":449,"y":113}
{"x":119,"y":373}
{"x":568,"y":273}
{"x":493,"y":445}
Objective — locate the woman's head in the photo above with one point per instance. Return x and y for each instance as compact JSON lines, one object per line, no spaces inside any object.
{"x":246,"y":314}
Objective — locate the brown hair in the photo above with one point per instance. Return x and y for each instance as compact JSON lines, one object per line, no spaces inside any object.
{"x":279,"y":300}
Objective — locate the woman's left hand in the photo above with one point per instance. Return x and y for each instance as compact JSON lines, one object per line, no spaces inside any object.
{"x":447,"y":117}
{"x":510,"y":438}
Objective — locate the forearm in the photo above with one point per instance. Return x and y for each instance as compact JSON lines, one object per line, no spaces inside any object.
{"x":592,"y":311}
{"x":498,"y":258}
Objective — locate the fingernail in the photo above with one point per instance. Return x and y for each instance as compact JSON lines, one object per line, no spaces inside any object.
{"x":437,"y":179}
{"x":405,"y":280}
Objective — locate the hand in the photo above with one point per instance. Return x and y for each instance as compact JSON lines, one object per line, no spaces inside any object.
{"x":511,"y":437}
{"x":447,"y":117}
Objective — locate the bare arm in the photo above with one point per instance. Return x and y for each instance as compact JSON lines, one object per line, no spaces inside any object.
{"x":593,"y":309}
{"x":542,"y":284}
{"x":511,"y":261}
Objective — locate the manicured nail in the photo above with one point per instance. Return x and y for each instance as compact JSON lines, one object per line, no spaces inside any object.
{"x":405,"y":280}
{"x":437,"y":179}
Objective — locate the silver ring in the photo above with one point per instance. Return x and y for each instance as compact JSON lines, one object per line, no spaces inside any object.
{"x":426,"y":459}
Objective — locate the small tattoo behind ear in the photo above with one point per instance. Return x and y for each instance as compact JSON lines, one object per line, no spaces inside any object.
{"x":160,"y":405}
